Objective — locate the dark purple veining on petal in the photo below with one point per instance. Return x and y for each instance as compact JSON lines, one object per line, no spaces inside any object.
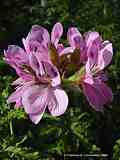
{"x":50,"y":70}
{"x":77,"y":40}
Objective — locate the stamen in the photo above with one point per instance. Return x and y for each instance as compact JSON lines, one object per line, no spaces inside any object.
{"x":28,"y":69}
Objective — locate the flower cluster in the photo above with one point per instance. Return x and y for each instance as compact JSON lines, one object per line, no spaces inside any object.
{"x":45,"y":64}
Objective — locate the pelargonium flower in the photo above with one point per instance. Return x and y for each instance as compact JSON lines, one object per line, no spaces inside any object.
{"x":40,"y":91}
{"x":77,"y":44}
{"x":16,"y":56}
{"x":98,"y":93}
{"x":86,"y":45}
{"x":48,"y":48}
{"x":91,"y":76}
{"x":45,"y":62}
{"x":39,"y":40}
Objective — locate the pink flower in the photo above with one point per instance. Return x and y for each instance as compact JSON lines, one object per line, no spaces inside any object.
{"x":16,"y":57}
{"x":41,"y":91}
{"x":94,"y":82}
{"x":95,"y":55}
{"x":99,"y":52}
{"x":39,"y":40}
{"x":76,"y":41}
{"x":88,"y":45}
{"x":45,"y":61}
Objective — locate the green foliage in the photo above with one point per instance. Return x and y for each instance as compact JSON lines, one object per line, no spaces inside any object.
{"x":116,"y":150}
{"x":80,"y":129}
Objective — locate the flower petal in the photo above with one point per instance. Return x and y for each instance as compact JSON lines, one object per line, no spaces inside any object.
{"x":93,"y":43}
{"x":89,"y":79}
{"x":56,"y":33}
{"x":25,"y":43}
{"x":15,"y":56}
{"x":89,"y":65}
{"x":66,"y":51}
{"x":91,"y":38}
{"x":16,"y":95}
{"x":19,"y":81}
{"x":35,"y":118}
{"x":33,"y":62}
{"x":34,"y":99}
{"x":58,"y":102}
{"x":52,"y":72}
{"x":74,"y":37}
{"x":98,"y":94}
{"x":36,"y":65}
{"x":36,"y":37}
{"x":101,"y":77}
{"x":105,"y":56}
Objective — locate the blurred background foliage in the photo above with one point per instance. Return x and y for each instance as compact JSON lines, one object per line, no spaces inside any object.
{"x":80,"y":129}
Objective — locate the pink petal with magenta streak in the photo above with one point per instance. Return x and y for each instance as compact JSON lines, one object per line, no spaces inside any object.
{"x":74,"y":37}
{"x":56,"y":33}
{"x":37,"y":36}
